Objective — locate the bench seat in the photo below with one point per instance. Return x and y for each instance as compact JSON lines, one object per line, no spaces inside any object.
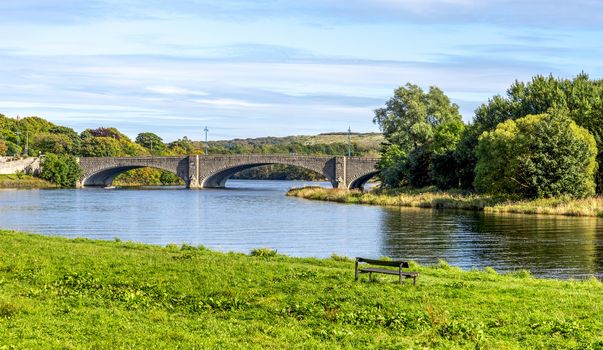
{"x":399,"y":272}
{"x":388,"y":272}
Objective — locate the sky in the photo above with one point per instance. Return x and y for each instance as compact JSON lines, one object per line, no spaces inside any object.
{"x":276,"y":68}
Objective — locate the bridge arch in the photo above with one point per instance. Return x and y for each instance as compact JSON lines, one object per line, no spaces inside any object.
{"x":361,"y":180}
{"x":216,"y":176}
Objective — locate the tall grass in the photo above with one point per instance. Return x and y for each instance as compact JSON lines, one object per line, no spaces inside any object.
{"x":431,"y":198}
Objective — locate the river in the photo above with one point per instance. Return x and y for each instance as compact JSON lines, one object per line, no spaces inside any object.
{"x":251,"y":214}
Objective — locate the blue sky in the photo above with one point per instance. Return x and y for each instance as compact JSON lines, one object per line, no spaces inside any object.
{"x":275,"y":68}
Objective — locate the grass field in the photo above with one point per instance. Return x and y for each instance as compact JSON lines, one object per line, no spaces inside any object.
{"x":431,"y":198}
{"x":79,"y":293}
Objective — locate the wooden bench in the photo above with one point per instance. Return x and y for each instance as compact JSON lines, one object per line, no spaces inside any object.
{"x":399,"y":264}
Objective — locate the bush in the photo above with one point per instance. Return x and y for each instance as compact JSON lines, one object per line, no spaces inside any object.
{"x":537,"y":156}
{"x":62,"y":170}
{"x":263,"y":252}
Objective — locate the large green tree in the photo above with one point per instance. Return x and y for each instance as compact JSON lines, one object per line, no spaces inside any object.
{"x":581,"y":97}
{"x":101,"y":147}
{"x":423,"y":127}
{"x":410,"y":118}
{"x":152,"y":142}
{"x":537,"y":156}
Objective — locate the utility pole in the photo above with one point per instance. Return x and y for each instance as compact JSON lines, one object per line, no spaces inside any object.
{"x":18,"y":133}
{"x":206,"y":145}
{"x":27,"y":143}
{"x":151,"y":147}
{"x":349,"y":142}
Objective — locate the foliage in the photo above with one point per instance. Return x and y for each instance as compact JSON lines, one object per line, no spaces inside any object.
{"x":391,"y":164}
{"x":23,"y":181}
{"x":424,"y":127}
{"x":104,"y":132}
{"x":3,"y":148}
{"x":185,"y":297}
{"x":581,"y":97}
{"x":62,"y":169}
{"x":47,"y":142}
{"x":147,"y":177}
{"x":454,"y":199}
{"x":537,"y":156}
{"x":416,"y":167}
{"x":263,"y":252}
{"x":410,"y":117}
{"x":445,"y":170}
{"x":152,"y":142}
{"x":101,"y":147}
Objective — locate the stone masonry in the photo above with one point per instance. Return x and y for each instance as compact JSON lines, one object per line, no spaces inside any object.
{"x":200,"y":171}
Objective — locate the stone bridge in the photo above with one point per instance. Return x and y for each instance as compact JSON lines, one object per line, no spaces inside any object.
{"x":201,"y":171}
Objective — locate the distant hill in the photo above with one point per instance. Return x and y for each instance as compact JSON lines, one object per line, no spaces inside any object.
{"x":363,"y":144}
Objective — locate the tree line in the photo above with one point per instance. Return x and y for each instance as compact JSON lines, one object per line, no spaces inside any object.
{"x":61,"y":145}
{"x":544,"y":138}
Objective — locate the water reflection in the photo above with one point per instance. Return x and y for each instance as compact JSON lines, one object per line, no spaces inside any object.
{"x":546,"y":245}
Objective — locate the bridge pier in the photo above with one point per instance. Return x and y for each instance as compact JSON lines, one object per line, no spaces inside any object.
{"x":192,"y":181}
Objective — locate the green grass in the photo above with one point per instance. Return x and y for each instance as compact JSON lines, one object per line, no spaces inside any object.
{"x":23,"y":181}
{"x":80,"y":293}
{"x":431,"y":198}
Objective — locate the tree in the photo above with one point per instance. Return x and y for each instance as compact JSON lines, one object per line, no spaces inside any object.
{"x":46,"y":142}
{"x":537,"y":156}
{"x":182,"y":146}
{"x":581,"y":97}
{"x":410,"y":116}
{"x":391,"y":165}
{"x":423,"y":126}
{"x":129,"y":148}
{"x":104,"y":132}
{"x":101,"y":147}
{"x":62,"y":170}
{"x":151,"y":142}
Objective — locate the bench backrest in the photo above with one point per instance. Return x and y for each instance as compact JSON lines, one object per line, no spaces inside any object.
{"x":384,"y":262}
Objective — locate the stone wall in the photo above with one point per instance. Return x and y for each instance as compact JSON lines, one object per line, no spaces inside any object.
{"x":28,"y":165}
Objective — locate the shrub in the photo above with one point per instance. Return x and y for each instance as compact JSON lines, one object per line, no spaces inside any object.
{"x":537,"y":156}
{"x":62,"y":170}
{"x":263,"y":252}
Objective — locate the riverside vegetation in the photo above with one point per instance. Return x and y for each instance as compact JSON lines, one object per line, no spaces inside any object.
{"x":432,"y":198}
{"x":81,"y":293}
{"x":21,"y":180}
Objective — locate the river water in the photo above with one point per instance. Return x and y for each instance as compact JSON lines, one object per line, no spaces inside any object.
{"x":252,"y":214}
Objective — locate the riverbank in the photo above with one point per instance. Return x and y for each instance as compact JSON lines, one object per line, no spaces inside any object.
{"x":80,"y":293}
{"x":24,"y":181}
{"x":428,"y":198}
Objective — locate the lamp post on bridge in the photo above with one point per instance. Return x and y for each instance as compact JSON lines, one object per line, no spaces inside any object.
{"x":349,"y":142}
{"x":206,"y":145}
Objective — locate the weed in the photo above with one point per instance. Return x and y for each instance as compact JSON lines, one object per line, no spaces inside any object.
{"x":341,"y":258}
{"x":263,"y":252}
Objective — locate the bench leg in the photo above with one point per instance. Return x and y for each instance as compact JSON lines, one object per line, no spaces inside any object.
{"x":370,"y":276}
{"x":414,"y":281}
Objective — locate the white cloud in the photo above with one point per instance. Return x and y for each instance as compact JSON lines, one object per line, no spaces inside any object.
{"x":173,"y":90}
